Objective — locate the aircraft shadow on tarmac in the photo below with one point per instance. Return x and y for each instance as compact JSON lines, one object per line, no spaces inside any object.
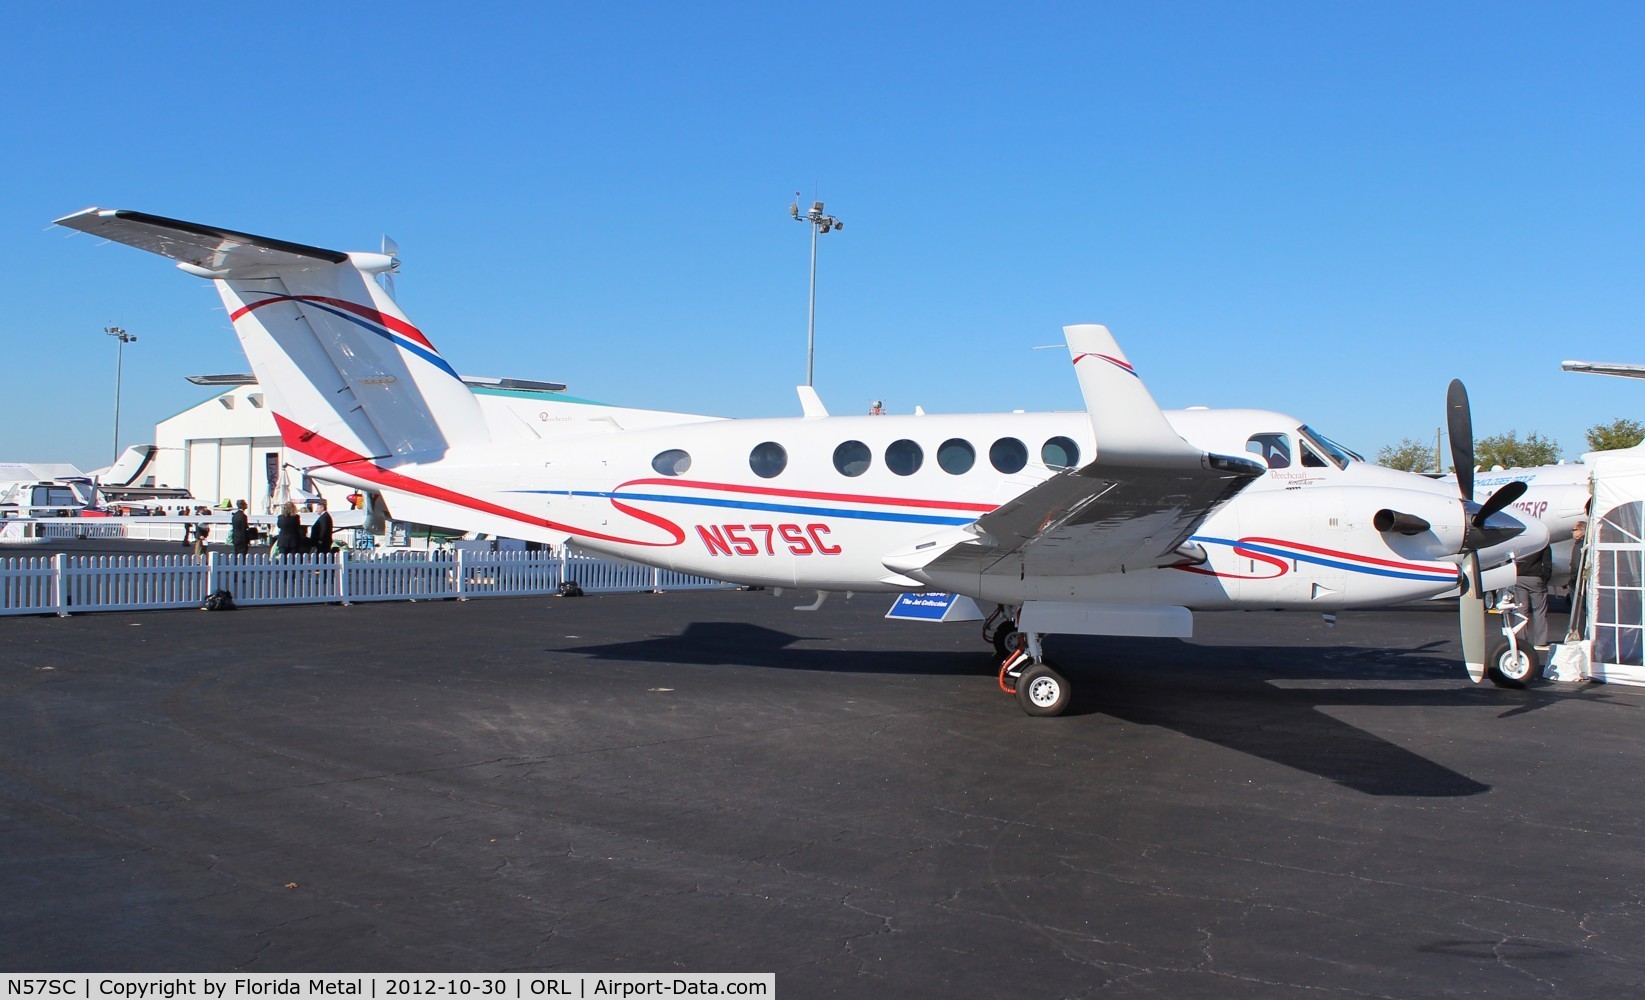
{"x":1233,"y":696}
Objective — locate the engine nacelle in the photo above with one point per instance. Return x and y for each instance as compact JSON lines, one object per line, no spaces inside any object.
{"x":1421,"y":525}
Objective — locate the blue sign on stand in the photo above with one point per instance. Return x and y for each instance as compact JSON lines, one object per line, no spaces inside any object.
{"x":934,"y":608}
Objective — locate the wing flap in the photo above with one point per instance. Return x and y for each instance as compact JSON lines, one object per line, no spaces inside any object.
{"x":1099,"y":519}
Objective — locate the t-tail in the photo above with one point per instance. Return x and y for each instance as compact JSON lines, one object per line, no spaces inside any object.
{"x":345,"y":373}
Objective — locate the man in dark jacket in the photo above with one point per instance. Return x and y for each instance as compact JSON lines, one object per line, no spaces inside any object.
{"x":239,"y":530}
{"x":319,"y":533}
{"x":1531,"y":594}
{"x":1579,"y":536}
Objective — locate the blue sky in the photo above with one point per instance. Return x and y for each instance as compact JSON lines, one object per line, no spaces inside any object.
{"x":1329,"y":209}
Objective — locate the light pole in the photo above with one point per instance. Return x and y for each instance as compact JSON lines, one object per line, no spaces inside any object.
{"x":124,"y":338}
{"x":819,"y":223}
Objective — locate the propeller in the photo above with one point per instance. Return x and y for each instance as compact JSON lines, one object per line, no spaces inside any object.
{"x":1481,"y":531}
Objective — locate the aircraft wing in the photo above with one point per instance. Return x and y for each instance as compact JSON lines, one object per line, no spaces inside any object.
{"x":1133,"y":506}
{"x":1617,"y":368}
{"x":1100,"y":519}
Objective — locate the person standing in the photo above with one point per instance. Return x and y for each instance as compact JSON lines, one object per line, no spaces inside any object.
{"x":319,"y":533}
{"x":1531,"y":593}
{"x":289,"y":531}
{"x":1579,"y":543}
{"x":239,"y":530}
{"x":1579,"y":538}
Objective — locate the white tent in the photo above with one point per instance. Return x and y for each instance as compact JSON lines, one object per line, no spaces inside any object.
{"x":1616,"y":584}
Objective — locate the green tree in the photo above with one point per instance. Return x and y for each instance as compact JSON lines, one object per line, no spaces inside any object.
{"x":1410,"y":455}
{"x":1619,"y":433}
{"x":1508,"y":451}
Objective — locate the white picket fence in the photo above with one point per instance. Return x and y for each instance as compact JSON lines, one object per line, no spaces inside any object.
{"x":65,"y":584}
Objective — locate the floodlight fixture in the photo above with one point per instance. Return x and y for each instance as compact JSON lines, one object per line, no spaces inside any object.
{"x":122,"y":338}
{"x":820,"y":223}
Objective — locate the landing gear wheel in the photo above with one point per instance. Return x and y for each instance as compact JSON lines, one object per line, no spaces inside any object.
{"x":1512,"y":671}
{"x":1006,"y":640}
{"x":1042,"y":691}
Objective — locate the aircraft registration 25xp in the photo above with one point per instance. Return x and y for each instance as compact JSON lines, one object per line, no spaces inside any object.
{"x":1119,"y":520}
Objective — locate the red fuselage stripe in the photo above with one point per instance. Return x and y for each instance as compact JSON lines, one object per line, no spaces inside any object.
{"x":353,"y":463}
{"x":770,"y":491}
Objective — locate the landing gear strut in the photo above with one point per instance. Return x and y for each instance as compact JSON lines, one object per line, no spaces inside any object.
{"x":1040,"y":690}
{"x":1001,"y":630}
{"x":1507,"y":663}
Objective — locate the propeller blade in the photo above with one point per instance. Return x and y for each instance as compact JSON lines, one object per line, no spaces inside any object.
{"x":1460,"y":423}
{"x":1471,"y":609}
{"x":1499,"y":500}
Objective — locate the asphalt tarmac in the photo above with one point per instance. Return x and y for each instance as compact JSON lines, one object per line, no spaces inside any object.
{"x":712,"y":782}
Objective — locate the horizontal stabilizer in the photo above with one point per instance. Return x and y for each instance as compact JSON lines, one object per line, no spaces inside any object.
{"x":223,"y":252}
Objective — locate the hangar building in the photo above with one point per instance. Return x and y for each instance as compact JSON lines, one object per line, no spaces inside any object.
{"x":228,"y":447}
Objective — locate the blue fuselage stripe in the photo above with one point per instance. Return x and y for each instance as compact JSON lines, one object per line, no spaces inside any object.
{"x":775,"y":508}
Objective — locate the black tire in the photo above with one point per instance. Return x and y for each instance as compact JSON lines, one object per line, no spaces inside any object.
{"x":1512,"y":672}
{"x":1042,"y":691}
{"x":1006,"y":640}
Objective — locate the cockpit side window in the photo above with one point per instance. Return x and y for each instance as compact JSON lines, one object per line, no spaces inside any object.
{"x":1274,"y":449}
{"x":1311,"y":459}
{"x":1325,"y":451}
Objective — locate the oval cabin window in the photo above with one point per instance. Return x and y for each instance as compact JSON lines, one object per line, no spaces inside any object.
{"x":768,"y":460}
{"x":672,"y":462}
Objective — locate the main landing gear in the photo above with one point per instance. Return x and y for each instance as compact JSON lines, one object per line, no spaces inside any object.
{"x":1040,"y":690}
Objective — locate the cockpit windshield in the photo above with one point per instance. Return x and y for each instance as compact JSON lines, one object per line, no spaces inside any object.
{"x":1339,"y":455}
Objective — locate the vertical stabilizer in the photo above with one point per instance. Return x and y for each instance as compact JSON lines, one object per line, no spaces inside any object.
{"x":337,"y":358}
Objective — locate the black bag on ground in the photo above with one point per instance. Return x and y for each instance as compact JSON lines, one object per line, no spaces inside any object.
{"x":569,"y":589}
{"x":220,"y":600}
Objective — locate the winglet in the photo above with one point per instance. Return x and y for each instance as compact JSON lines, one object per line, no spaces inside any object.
{"x":1129,"y":426}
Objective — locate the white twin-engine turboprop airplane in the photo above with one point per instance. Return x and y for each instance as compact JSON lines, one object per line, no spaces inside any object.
{"x":1120,"y":520}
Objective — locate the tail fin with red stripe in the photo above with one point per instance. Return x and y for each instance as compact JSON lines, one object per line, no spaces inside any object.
{"x":335,"y":356}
